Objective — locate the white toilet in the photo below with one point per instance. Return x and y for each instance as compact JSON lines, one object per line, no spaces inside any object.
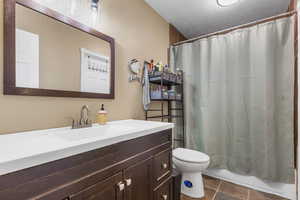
{"x":190,"y":164}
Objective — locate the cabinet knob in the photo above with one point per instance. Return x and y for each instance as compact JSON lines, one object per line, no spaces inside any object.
{"x":164,"y":165}
{"x":121,"y":186}
{"x":164,"y":197}
{"x":128,"y":182}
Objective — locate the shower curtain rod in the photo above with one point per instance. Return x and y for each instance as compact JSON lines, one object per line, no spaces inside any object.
{"x":288,"y":14}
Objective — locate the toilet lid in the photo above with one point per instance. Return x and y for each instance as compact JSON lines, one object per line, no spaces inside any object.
{"x":191,"y":156}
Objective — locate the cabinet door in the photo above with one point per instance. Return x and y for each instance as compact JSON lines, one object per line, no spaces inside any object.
{"x":164,"y":191}
{"x":109,"y":189}
{"x":138,"y":180}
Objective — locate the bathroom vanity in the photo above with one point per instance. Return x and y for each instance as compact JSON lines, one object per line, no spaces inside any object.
{"x":123,"y":160}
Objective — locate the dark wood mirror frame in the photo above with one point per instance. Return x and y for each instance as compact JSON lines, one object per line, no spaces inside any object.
{"x":10,"y":52}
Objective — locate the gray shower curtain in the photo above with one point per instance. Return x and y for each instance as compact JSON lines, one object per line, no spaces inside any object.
{"x":239,"y":99}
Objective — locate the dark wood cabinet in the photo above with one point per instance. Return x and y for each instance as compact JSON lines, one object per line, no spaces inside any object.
{"x":138,"y":181}
{"x":138,"y":169}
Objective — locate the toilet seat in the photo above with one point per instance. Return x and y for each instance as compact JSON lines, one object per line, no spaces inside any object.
{"x":190,"y":156}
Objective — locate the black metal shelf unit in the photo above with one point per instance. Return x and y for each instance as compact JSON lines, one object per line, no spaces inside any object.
{"x":174,"y":110}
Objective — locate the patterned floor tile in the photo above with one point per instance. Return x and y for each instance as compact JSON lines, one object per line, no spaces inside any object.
{"x":211,"y":183}
{"x":234,"y":190}
{"x":209,"y":194}
{"x":183,"y":197}
{"x":222,"y":196}
{"x":221,"y":190}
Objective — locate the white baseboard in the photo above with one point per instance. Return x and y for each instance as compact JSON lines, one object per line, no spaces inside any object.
{"x":284,"y":190}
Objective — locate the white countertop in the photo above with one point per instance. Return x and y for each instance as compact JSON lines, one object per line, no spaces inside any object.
{"x":27,"y":149}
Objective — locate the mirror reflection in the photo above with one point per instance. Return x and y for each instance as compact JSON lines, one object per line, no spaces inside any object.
{"x":56,"y":56}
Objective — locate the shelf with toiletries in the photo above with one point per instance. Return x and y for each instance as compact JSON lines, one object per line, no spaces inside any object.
{"x":163,"y":93}
{"x":163,"y":75}
{"x":166,"y":78}
{"x":167,"y":88}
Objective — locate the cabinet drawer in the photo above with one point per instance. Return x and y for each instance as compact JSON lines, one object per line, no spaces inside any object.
{"x":164,"y":191}
{"x":162,"y":166}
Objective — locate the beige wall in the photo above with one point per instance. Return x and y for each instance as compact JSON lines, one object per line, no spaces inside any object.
{"x":139,"y":33}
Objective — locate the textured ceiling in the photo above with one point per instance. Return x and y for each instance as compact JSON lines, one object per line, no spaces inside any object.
{"x":198,"y":17}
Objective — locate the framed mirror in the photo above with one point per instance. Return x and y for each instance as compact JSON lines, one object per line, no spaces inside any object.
{"x":49,"y":54}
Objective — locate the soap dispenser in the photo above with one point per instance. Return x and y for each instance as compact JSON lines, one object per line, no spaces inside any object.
{"x":102,"y":116}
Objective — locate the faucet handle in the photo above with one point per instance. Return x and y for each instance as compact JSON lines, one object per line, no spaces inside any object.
{"x":87,"y":122}
{"x":74,"y":122}
{"x":81,"y":122}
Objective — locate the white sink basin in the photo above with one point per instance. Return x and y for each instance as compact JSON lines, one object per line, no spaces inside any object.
{"x":27,"y":149}
{"x":96,"y":132}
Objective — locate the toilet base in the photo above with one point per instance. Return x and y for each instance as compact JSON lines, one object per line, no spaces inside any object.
{"x":192,"y":185}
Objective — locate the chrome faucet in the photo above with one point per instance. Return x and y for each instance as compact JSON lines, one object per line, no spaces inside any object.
{"x":84,"y":121}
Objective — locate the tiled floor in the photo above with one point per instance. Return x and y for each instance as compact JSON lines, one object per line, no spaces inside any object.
{"x":221,"y":190}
